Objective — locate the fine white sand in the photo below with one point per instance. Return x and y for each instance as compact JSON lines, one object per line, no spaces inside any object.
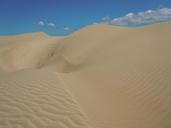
{"x":101,"y":76}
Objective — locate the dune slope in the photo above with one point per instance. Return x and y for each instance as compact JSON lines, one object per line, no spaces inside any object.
{"x":124,"y":78}
{"x":119,"y":76}
{"x":37,"y":99}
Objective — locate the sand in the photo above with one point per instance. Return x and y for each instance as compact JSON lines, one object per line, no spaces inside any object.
{"x":101,"y":76}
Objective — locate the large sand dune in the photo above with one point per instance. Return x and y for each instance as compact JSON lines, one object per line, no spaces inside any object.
{"x":100,"y":76}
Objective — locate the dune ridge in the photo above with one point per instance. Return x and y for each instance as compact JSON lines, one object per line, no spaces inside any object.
{"x":110,"y":77}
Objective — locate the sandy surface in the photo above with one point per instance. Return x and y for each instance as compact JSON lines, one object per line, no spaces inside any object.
{"x":100,"y":76}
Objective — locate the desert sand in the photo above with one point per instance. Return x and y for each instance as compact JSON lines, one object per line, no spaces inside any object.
{"x":101,"y":76}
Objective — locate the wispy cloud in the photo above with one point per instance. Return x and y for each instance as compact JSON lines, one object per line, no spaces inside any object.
{"x":66,"y":28}
{"x":51,"y":25}
{"x":44,"y":24}
{"x":141,"y":18}
{"x":106,"y":18}
{"x":40,"y":23}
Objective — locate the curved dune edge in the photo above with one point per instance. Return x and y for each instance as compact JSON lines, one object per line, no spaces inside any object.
{"x":110,"y":77}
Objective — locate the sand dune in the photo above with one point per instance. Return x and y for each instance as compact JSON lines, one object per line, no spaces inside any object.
{"x":101,"y":76}
{"x":37,"y":99}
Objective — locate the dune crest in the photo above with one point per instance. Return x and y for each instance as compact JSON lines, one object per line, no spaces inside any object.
{"x":101,"y":76}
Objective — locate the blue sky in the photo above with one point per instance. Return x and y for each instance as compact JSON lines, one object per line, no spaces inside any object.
{"x":61,"y":17}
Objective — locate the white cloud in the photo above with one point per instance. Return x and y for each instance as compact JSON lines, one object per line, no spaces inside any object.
{"x":106,"y":18}
{"x":66,"y":28}
{"x":40,"y":23}
{"x":130,"y":14}
{"x":142,"y":18}
{"x":149,"y":11}
{"x":44,"y":24}
{"x":52,"y":25}
{"x":95,"y":23}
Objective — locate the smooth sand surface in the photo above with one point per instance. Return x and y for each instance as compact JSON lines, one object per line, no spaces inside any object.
{"x":100,"y":76}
